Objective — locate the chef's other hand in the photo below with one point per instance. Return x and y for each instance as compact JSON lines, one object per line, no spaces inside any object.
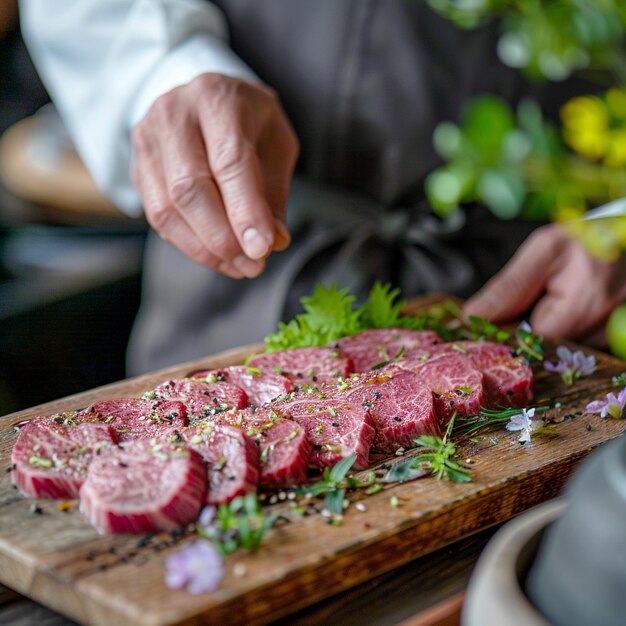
{"x":573,"y":293}
{"x":213,"y":161}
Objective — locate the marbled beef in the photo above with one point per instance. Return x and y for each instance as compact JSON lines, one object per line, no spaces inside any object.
{"x":401,"y":406}
{"x":284,"y":448}
{"x":51,"y":459}
{"x":232,"y":460}
{"x":336,"y":428}
{"x":134,"y":418}
{"x":508,"y":379}
{"x":457,"y":385}
{"x":382,"y":344}
{"x":260,"y":386}
{"x":305,"y":365}
{"x":202,"y":399}
{"x":144,"y":486}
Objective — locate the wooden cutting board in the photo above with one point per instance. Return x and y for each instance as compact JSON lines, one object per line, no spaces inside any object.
{"x":52,"y":554}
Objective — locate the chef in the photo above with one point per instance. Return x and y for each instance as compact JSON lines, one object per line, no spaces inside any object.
{"x":272,"y":144}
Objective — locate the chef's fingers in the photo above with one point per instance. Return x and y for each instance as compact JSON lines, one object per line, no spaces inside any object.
{"x":148,"y":177}
{"x":517,"y":286}
{"x":192,"y":193}
{"x":230,"y":115}
{"x":278,"y":152}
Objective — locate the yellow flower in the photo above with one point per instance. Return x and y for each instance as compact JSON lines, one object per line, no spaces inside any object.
{"x":586,"y":126}
{"x":596,"y":127}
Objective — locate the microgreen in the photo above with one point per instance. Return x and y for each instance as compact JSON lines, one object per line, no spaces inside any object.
{"x":240,"y":523}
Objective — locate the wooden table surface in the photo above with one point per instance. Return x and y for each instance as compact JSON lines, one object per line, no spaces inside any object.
{"x":425,"y":592}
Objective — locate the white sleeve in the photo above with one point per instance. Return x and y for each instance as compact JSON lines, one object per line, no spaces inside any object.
{"x":104,"y":64}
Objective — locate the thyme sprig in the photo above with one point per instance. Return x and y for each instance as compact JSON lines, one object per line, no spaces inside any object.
{"x":489,"y":417}
{"x":240,"y":523}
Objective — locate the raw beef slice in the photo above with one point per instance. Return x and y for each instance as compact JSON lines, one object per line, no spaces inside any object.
{"x":144,"y":486}
{"x":51,"y":459}
{"x":260,"y":386}
{"x":508,"y":379}
{"x":401,"y":406}
{"x":336,"y":428}
{"x":232,"y":460}
{"x":305,"y":365}
{"x":133,"y":418}
{"x":456,"y":384}
{"x":202,"y":399}
{"x":283,"y":445}
{"x":382,"y":344}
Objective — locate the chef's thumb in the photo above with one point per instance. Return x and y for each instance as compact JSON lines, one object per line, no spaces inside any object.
{"x":514,"y":289}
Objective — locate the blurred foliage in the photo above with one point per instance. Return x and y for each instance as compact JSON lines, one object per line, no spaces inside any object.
{"x":516,"y":162}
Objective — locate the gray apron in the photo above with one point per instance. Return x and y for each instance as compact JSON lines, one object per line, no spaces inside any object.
{"x":364,"y":83}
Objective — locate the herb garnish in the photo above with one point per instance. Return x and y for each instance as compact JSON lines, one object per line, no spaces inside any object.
{"x":619,"y":380}
{"x":241,"y":523}
{"x":489,"y":417}
{"x":437,"y":459}
{"x":333,"y":486}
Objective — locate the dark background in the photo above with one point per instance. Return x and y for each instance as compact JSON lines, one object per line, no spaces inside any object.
{"x":69,"y":284}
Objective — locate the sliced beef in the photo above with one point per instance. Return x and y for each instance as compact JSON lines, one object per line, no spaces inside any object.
{"x":232,"y":460}
{"x":401,"y":406}
{"x":203,"y":399}
{"x":508,"y":379}
{"x":144,"y":486}
{"x":260,"y":386}
{"x":284,"y":448}
{"x":336,"y":428}
{"x":305,"y":365}
{"x":134,"y":418}
{"x":51,"y":458}
{"x":457,"y":385}
{"x":377,"y":345}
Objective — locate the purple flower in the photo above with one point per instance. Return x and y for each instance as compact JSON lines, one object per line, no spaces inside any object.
{"x":197,"y":566}
{"x":522,"y":422}
{"x":612,"y":406}
{"x":525,"y":326}
{"x":571,"y":365}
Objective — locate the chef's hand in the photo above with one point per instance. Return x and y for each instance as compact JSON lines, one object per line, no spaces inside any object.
{"x":213,"y":160}
{"x":573,"y":293}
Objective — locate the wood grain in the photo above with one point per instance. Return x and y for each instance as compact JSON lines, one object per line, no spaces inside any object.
{"x":56,"y":558}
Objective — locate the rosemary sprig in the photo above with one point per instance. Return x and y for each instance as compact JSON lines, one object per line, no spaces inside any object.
{"x":489,"y":417}
{"x":240,"y":523}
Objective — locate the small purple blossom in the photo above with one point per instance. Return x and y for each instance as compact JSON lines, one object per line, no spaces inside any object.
{"x":612,"y":406}
{"x":571,"y":365}
{"x":522,"y":422}
{"x":525,"y":326}
{"x":197,"y":566}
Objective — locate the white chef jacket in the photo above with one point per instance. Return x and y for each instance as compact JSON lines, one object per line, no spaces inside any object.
{"x":104,"y":62}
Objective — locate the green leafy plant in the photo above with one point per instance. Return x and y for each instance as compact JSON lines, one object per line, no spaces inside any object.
{"x":330,"y":313}
{"x":489,"y":417}
{"x":240,"y":523}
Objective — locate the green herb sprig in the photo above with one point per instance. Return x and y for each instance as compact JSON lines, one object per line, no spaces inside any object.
{"x":437,"y":459}
{"x":335,"y":481}
{"x":489,"y":417}
{"x":240,"y":523}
